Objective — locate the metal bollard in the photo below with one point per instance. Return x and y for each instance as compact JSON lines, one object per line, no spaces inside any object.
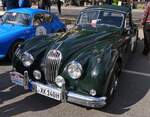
{"x":26,"y":80}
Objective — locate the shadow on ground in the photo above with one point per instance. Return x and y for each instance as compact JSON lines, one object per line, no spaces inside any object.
{"x":132,"y":88}
{"x":7,"y":89}
{"x":34,"y":102}
{"x":5,"y":62}
{"x":130,"y":91}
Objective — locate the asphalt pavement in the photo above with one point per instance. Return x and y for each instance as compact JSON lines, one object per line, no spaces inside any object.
{"x":132,"y":98}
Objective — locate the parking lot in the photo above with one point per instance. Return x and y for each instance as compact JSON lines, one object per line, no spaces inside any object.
{"x":132,"y":98}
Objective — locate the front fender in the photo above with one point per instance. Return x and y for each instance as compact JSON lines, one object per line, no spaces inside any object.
{"x":95,"y":72}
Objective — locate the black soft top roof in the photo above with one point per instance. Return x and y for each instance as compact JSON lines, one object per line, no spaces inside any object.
{"x":123,"y":9}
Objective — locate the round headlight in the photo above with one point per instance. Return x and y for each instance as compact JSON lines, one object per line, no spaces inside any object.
{"x":92,"y":92}
{"x":27,"y":59}
{"x":59,"y":80}
{"x":74,"y":70}
{"x":37,"y":74}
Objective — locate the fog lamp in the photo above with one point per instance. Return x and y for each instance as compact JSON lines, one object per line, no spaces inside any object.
{"x":37,"y":74}
{"x":59,"y":80}
{"x":92,"y":92}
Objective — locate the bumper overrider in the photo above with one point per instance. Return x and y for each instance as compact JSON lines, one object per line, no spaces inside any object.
{"x":56,"y":93}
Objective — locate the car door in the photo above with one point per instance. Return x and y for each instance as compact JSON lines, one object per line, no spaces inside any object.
{"x":127,"y":34}
{"x":126,"y":39}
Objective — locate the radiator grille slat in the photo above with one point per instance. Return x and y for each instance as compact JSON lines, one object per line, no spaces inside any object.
{"x":53,"y":61}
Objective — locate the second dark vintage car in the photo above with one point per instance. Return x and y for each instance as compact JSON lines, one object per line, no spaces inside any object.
{"x":81,"y":66}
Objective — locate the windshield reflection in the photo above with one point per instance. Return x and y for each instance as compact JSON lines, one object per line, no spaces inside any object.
{"x":101,"y":17}
{"x":16,"y":18}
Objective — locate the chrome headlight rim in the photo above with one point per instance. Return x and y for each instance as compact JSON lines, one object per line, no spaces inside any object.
{"x":78,"y":68}
{"x":27,"y":59}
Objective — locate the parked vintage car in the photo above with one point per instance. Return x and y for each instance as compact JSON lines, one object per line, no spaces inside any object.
{"x":81,"y":66}
{"x":24,"y":23}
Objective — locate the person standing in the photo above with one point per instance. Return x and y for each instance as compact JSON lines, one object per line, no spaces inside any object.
{"x":12,"y":4}
{"x":4,"y":4}
{"x":146,"y":26}
{"x":109,"y":2}
{"x":48,"y":5}
{"x":59,"y":6}
{"x":42,"y":4}
{"x":24,"y":3}
{"x":115,"y":2}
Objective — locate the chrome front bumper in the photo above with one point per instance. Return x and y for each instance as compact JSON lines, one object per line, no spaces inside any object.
{"x":84,"y":100}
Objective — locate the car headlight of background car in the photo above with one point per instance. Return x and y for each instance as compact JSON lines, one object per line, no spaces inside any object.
{"x":27,"y":59}
{"x":74,"y":70}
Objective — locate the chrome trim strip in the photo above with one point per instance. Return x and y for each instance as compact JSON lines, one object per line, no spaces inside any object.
{"x":84,"y":100}
{"x":89,"y":101}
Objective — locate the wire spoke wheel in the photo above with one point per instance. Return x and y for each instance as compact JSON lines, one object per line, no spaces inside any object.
{"x":13,"y":49}
{"x":113,"y":82}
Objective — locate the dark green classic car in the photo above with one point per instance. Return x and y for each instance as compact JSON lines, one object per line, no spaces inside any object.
{"x":81,"y":66}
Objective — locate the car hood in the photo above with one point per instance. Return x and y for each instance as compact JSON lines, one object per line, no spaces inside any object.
{"x":9,"y":28}
{"x":70,"y":43}
{"x":85,"y":40}
{"x":38,"y":44}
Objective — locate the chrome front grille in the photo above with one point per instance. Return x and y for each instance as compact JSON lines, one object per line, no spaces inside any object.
{"x":53,"y":61}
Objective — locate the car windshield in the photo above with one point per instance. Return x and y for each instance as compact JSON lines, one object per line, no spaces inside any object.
{"x":101,"y":17}
{"x":16,"y":18}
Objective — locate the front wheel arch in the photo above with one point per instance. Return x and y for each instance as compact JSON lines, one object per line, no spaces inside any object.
{"x":113,"y":81}
{"x":13,"y":48}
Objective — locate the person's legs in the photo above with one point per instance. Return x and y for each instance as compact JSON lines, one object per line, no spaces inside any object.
{"x":145,"y":51}
{"x":59,"y":9}
{"x":49,"y":7}
{"x":148,"y":36}
{"x":146,"y":39}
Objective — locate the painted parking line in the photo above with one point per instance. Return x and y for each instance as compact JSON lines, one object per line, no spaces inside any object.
{"x":136,"y":73}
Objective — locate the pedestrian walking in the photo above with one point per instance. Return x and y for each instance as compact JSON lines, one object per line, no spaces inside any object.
{"x":24,"y":3}
{"x":115,"y":2}
{"x":125,"y":3}
{"x":146,"y":28}
{"x":12,"y":4}
{"x":41,"y":4}
{"x":48,"y":5}
{"x":4,"y":4}
{"x":59,"y":6}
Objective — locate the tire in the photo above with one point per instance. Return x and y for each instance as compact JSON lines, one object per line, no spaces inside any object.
{"x":13,"y":49}
{"x":113,"y":84}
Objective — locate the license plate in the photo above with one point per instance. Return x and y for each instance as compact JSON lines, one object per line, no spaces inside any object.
{"x":17,"y":79}
{"x":48,"y":92}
